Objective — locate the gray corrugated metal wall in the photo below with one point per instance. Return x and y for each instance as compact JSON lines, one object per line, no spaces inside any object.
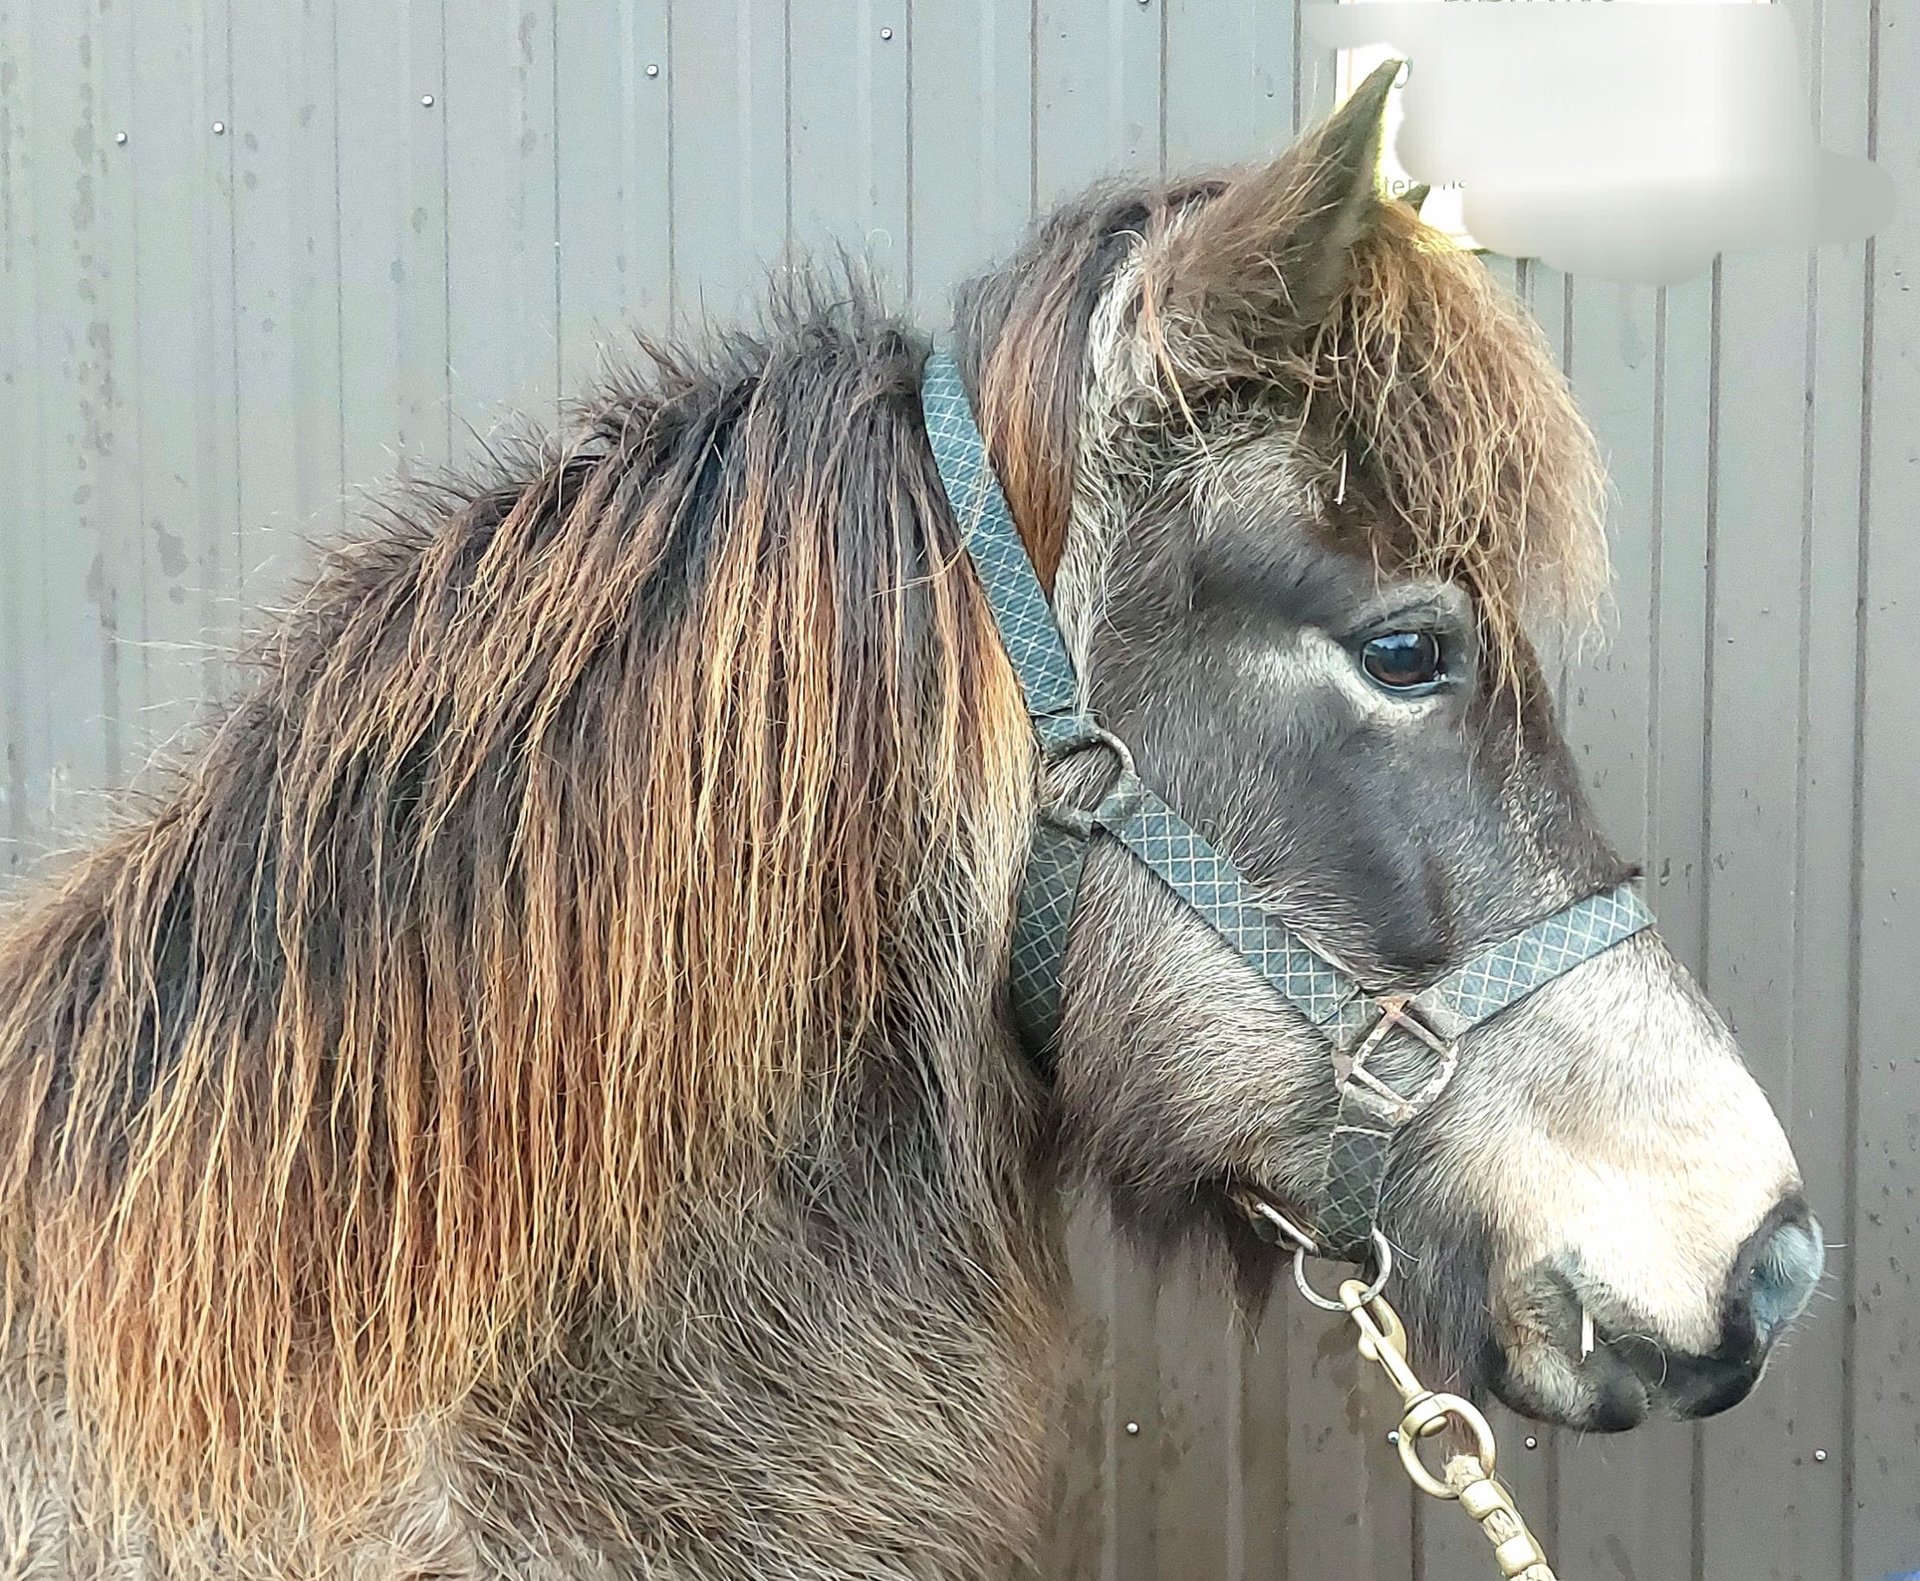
{"x":213,"y":336}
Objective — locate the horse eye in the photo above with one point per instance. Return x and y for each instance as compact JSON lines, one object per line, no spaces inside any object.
{"x":1404,"y":661}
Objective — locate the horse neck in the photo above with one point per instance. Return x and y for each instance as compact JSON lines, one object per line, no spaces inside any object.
{"x":865,"y":1358}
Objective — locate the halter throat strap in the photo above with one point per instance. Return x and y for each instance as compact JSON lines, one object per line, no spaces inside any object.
{"x":1389,"y":1055}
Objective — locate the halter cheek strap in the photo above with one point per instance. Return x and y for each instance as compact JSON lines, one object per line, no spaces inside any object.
{"x":1390,"y":1055}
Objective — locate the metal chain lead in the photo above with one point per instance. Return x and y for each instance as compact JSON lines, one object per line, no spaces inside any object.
{"x":1469,"y":1475}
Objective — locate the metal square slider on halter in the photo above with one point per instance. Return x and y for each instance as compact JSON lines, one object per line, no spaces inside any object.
{"x":1390,"y":1054}
{"x":1397,"y":1013}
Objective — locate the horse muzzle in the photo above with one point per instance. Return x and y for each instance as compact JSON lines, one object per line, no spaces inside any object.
{"x":1596,"y":1365}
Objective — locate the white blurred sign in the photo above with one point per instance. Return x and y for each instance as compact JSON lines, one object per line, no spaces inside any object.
{"x":1630,"y":139}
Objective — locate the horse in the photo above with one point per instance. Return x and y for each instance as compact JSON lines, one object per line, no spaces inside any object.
{"x":534,"y":1094}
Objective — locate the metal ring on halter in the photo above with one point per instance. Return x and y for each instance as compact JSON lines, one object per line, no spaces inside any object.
{"x":1383,"y":1257}
{"x":1074,"y":737}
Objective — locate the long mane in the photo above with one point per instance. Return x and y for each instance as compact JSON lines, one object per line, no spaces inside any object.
{"x":548,"y":880}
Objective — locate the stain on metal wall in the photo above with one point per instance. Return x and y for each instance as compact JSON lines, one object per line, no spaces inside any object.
{"x":257,"y":258}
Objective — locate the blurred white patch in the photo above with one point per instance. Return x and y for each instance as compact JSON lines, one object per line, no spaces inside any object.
{"x":1632,"y":141}
{"x":1443,"y":208}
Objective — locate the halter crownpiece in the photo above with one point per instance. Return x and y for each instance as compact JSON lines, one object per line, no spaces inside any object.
{"x":1390,"y":1055}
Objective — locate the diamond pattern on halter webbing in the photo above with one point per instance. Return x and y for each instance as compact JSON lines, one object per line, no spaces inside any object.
{"x":1020,"y":607}
{"x":1212,"y":885}
{"x":1511,"y":970}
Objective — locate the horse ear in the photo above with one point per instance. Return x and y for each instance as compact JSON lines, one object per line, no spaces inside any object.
{"x":1263,"y":262}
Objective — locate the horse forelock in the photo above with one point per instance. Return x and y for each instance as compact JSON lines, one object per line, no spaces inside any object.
{"x":547,"y":882}
{"x":1424,"y":408}
{"x":1442,"y":396}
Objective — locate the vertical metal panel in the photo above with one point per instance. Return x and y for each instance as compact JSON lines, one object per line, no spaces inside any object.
{"x":503,"y":276}
{"x":181,"y":426}
{"x":1814,"y":1530}
{"x":1231,"y":83}
{"x":1098,"y":99}
{"x":68,"y":731}
{"x":971,"y":106}
{"x":21,"y":607}
{"x":1108,"y":1519}
{"x":1768,"y":1508}
{"x":215,"y":351}
{"x":848,"y":147}
{"x":1885,"y":1230}
{"x":729,"y":131}
{"x":108,"y":288}
{"x":391,"y":170}
{"x":1753,"y":664}
{"x":1608,"y":341}
{"x":1199,"y":1486}
{"x":1657,"y":1495}
{"x":286,"y":304}
{"x":614,"y":182}
{"x":211,"y":336}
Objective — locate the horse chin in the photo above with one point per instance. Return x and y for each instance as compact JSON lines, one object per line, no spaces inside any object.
{"x":1581,"y":1358}
{"x":1619,"y":1386}
{"x":1626,"y":1380}
{"x":1600,"y":1395}
{"x":1542,"y":1366}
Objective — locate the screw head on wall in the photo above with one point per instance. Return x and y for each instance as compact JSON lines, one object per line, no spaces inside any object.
{"x":219,"y":127}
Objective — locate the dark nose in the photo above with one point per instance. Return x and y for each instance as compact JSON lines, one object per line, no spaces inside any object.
{"x":1774,"y":1276}
{"x":1772,"y":1280}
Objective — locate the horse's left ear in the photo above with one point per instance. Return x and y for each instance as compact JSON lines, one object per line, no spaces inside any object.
{"x":1254,"y":268}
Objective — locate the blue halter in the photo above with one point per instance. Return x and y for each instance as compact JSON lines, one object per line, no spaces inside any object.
{"x":1390,"y":1055}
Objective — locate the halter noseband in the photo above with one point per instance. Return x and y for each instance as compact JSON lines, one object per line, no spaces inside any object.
{"x":1391,"y":1054}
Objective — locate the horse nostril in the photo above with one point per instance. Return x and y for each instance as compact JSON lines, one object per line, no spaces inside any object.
{"x":1777,"y":1272}
{"x":1773,"y":1279}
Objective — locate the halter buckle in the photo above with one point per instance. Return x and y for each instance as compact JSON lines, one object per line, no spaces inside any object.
{"x":1350,"y":1069}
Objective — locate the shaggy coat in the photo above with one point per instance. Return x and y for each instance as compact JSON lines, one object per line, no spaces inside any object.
{"x":532,"y":1097}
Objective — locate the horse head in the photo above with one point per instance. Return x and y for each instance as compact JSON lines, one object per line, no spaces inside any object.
{"x":1308,"y":495}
